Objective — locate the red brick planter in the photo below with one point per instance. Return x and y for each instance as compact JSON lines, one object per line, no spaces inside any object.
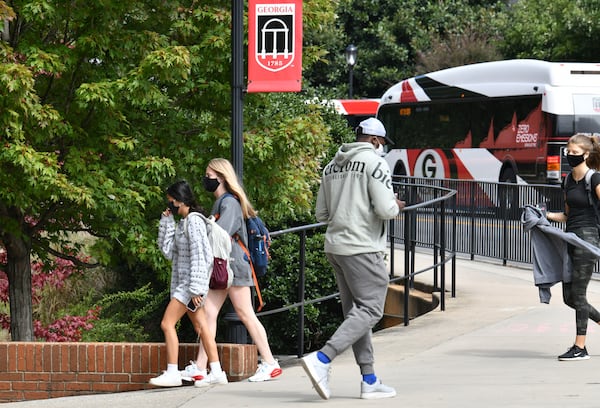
{"x":32,"y":370}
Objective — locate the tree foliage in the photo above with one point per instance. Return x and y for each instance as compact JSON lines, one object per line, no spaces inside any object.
{"x":557,"y":30}
{"x":80,"y":81}
{"x":105,"y":103}
{"x":398,"y":42}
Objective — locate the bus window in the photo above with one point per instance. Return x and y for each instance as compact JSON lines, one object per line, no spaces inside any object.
{"x":587,"y":124}
{"x":564,"y":125}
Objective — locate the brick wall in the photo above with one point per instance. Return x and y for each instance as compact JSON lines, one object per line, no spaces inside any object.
{"x":33,"y":370}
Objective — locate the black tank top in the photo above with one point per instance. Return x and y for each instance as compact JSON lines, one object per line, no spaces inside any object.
{"x":581,"y":213}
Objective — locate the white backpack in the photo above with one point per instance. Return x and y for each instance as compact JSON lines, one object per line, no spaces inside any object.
{"x":220,"y":271}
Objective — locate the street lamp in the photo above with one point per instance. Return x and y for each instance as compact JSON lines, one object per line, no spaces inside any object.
{"x":350,"y":54}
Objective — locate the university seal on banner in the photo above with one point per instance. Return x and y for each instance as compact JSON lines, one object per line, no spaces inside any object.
{"x":275,"y":36}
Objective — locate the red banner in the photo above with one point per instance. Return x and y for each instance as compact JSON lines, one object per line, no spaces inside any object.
{"x":274,"y":46}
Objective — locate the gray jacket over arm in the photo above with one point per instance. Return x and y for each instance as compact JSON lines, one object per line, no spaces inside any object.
{"x":551,"y":263}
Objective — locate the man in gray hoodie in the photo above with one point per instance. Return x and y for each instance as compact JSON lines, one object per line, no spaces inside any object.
{"x":356,"y":199}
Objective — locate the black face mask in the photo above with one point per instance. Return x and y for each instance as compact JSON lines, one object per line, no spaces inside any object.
{"x":575,"y":160}
{"x":174,"y":209}
{"x":210,"y":184}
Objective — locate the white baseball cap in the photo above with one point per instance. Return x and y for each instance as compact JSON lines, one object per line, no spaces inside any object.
{"x":373,"y":127}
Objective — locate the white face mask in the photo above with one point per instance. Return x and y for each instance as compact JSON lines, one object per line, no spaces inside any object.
{"x":380,"y":150}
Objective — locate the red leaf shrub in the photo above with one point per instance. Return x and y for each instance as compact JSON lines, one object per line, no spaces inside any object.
{"x":64,"y":329}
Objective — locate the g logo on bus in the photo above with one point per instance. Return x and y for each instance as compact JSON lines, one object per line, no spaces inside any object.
{"x":429,"y":164}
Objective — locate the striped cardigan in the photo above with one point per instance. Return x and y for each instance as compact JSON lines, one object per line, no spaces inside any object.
{"x":190,"y":255}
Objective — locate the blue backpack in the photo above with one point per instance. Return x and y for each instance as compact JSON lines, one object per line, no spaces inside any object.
{"x":259,"y":242}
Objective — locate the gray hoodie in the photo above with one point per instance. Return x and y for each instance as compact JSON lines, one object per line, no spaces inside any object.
{"x":355,"y":198}
{"x":551,"y":263}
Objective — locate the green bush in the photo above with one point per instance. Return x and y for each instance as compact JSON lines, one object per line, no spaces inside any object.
{"x":129,"y":316}
{"x":280,"y":287}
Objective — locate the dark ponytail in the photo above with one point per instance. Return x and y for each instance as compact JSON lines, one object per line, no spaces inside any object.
{"x":593,"y":160}
{"x":181,"y":191}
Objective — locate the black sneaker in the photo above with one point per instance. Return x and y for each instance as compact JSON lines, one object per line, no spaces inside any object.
{"x":574,"y":353}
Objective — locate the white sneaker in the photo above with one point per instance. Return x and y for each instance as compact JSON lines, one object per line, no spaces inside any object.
{"x":166,"y":380}
{"x":266,"y":372}
{"x":191,"y":372}
{"x":376,"y":390}
{"x":318,"y":373}
{"x":212,"y":379}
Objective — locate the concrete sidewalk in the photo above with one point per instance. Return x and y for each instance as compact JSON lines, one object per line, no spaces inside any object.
{"x":495,"y":345}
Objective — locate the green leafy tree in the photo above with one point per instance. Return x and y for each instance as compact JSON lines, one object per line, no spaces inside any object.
{"x":469,"y":34}
{"x":553,"y":30}
{"x":81,"y":86}
{"x":102,"y":104}
{"x":398,"y":42}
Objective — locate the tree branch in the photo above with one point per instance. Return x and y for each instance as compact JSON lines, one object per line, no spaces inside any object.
{"x":44,"y":218}
{"x":71,"y":258}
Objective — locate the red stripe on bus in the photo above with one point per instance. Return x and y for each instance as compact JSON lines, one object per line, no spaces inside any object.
{"x":360,"y":106}
{"x":407,"y":95}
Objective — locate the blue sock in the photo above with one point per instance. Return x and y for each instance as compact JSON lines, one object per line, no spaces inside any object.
{"x":369,"y":378}
{"x":323,"y":358}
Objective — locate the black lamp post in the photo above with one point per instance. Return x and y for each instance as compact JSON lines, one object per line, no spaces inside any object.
{"x":237,"y":87}
{"x":350,"y":54}
{"x":236,"y":331}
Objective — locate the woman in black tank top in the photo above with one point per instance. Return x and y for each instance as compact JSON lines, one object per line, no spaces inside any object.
{"x":583,"y":154}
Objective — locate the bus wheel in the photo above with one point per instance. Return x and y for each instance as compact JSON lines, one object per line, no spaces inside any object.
{"x":508,"y":194}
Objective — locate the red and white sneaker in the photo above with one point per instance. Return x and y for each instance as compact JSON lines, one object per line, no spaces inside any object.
{"x":191,"y":372}
{"x":212,"y":379}
{"x":266,"y":372}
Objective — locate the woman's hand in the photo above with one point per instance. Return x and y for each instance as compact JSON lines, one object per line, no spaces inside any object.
{"x":198,"y":300}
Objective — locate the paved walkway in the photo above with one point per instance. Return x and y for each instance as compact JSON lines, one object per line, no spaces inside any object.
{"x":495,"y":345}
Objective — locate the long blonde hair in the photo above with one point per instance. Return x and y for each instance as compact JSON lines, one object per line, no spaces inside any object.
{"x":225,"y":170}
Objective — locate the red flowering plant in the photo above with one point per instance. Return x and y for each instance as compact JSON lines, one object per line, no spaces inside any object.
{"x":51,"y":275}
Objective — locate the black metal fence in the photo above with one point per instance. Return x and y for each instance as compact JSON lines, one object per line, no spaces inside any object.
{"x":439,"y":241}
{"x":448,"y":217}
{"x":487,"y":215}
{"x":442,"y":240}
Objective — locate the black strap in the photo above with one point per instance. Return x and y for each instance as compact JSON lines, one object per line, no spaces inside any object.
{"x":592,"y":198}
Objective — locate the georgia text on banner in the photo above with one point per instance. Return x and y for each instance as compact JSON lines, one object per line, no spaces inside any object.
{"x":274,"y":46}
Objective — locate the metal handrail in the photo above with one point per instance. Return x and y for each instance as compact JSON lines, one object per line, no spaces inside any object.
{"x":442,"y":194}
{"x":439,"y":245}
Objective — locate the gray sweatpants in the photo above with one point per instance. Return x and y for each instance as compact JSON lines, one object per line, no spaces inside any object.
{"x":362,"y":281}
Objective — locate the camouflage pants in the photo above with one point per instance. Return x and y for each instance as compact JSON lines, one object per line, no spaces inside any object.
{"x":574,"y":293}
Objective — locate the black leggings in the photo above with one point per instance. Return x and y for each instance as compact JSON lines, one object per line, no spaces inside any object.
{"x":574,"y":293}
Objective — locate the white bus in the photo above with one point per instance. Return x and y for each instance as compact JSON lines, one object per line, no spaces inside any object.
{"x":501,"y":121}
